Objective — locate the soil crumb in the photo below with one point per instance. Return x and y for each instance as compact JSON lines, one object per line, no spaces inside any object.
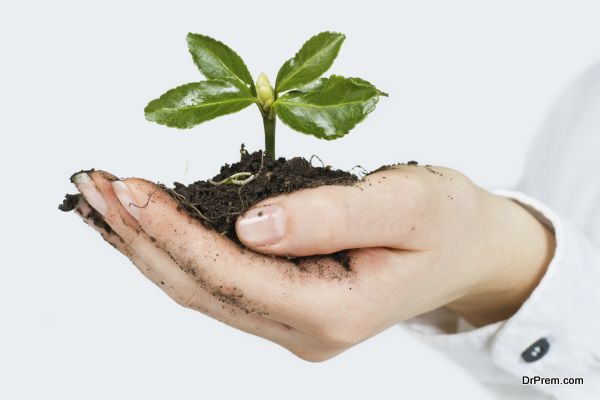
{"x":70,"y":202}
{"x":384,"y":168}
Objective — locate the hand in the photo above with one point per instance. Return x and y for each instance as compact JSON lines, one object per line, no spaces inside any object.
{"x":422,"y":238}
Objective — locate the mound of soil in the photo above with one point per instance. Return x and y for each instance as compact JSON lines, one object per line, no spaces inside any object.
{"x":217,"y":203}
{"x":220,"y":205}
{"x":70,"y":202}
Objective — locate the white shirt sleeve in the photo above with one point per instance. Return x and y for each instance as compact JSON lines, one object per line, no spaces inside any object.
{"x":556,"y":332}
{"x":563,"y":312}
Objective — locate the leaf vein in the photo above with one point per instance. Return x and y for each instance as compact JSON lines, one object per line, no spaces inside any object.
{"x":309,"y":105}
{"x":294,"y":73}
{"x":214,"y":103}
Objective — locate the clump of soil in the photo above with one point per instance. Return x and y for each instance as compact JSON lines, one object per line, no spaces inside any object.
{"x":70,"y":202}
{"x":217,"y":206}
{"x":220,"y":205}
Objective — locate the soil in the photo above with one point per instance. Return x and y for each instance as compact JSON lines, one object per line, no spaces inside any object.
{"x":70,"y":202}
{"x":217,"y":206}
{"x":220,"y":205}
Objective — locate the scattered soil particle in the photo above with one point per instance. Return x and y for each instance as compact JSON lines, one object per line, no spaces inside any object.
{"x":433,"y":171}
{"x":392,"y":166}
{"x":98,"y":220}
{"x":343,"y":258}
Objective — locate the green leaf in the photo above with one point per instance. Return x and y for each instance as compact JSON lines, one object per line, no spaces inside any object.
{"x":312,"y":60}
{"x":361,"y":81}
{"x":193,"y":103}
{"x":217,"y":61}
{"x":314,"y":85}
{"x":330,"y":109}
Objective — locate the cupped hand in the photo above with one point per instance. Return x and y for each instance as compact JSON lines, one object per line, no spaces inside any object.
{"x":420,"y":238}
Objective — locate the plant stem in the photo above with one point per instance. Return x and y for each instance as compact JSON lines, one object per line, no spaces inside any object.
{"x":269,"y":124}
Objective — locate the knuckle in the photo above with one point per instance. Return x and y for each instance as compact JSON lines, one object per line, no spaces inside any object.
{"x":339,"y":337}
{"x":186,"y":298}
{"x":413,"y":194}
{"x":313,"y":355}
{"x":416,"y":186}
{"x":335,"y":210}
{"x":103,"y":175}
{"x":330,"y":217}
{"x":134,"y":240}
{"x":322,"y":208}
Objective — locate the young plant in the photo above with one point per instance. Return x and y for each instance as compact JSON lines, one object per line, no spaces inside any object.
{"x":327,"y":108}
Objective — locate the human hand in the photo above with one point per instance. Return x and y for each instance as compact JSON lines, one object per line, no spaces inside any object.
{"x":422,"y":238}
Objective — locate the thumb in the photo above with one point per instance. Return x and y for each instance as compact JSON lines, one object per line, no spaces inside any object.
{"x":377,"y":212}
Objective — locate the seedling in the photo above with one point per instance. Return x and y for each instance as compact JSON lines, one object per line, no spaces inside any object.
{"x":327,"y":108}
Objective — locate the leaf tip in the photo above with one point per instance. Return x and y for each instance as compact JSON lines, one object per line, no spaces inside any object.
{"x":148,"y":111}
{"x":189,"y":36}
{"x":193,"y":39}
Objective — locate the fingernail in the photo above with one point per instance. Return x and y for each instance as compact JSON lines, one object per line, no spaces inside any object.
{"x":86,"y":186}
{"x":126,"y":198}
{"x":262,"y":225}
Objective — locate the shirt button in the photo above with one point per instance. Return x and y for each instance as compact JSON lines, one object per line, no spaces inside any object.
{"x":536,"y":351}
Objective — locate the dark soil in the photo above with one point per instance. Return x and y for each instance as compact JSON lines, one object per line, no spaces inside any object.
{"x":218,"y":206}
{"x":70,"y":202}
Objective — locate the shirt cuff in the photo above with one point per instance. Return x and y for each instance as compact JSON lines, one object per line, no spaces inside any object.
{"x":555,"y":333}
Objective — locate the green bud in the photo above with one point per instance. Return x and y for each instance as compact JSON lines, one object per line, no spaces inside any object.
{"x":265,"y":93}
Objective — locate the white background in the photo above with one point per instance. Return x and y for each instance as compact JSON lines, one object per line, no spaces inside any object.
{"x":469,"y":83}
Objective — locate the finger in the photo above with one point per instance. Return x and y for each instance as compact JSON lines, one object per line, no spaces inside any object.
{"x":160,"y":268}
{"x":378,"y":212}
{"x":95,"y":221}
{"x":287,"y":292}
{"x":330,"y":333}
{"x":310,"y":325}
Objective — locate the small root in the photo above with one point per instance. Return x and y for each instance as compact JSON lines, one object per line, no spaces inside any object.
{"x":362,"y":169}
{"x":234,"y":179}
{"x":318,"y":158}
{"x":147,"y":201}
{"x":250,"y":179}
{"x":186,"y":203}
{"x":174,"y":193}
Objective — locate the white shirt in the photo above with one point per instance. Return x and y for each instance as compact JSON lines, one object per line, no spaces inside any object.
{"x":561,"y":186}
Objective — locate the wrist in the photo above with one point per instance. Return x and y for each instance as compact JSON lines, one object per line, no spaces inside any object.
{"x":517,"y":249}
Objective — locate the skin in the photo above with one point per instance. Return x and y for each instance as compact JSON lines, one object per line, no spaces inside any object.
{"x":421,"y":238}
